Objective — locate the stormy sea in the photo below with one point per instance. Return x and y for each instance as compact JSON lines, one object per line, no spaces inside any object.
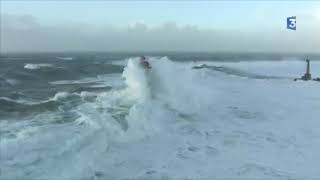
{"x":97,"y":116}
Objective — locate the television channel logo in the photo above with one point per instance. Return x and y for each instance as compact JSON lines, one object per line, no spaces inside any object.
{"x":292,"y":23}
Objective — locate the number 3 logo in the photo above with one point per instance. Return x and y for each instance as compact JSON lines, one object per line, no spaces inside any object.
{"x":292,"y":23}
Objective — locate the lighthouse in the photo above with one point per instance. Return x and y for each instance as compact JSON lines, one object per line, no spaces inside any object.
{"x":307,"y":75}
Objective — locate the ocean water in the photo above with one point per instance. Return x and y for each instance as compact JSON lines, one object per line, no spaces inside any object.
{"x":101,"y":116}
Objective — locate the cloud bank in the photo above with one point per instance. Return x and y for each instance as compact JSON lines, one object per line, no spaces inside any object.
{"x":23,"y":33}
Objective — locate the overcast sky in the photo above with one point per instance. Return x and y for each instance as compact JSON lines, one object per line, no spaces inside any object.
{"x":247,"y":26}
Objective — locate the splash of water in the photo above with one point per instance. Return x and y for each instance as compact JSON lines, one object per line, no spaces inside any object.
{"x":137,"y":80}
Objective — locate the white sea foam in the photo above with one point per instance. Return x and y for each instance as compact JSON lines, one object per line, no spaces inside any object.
{"x":12,"y":81}
{"x":21,"y":101}
{"x":58,"y":96}
{"x":103,"y":80}
{"x":37,"y":66}
{"x":65,"y":58}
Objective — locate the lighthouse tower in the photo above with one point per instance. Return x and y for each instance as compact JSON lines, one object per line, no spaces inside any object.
{"x":307,"y":75}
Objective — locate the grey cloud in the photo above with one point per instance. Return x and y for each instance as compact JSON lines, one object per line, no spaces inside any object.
{"x":25,"y":33}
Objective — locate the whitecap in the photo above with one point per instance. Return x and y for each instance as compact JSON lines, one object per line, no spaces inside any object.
{"x":37,"y":66}
{"x":66,"y":58}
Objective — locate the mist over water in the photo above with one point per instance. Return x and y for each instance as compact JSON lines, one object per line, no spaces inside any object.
{"x":102,"y":116}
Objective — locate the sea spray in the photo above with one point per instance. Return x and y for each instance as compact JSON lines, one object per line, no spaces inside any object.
{"x":137,"y":80}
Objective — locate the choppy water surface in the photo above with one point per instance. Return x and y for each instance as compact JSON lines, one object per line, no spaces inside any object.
{"x":103,"y":117}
